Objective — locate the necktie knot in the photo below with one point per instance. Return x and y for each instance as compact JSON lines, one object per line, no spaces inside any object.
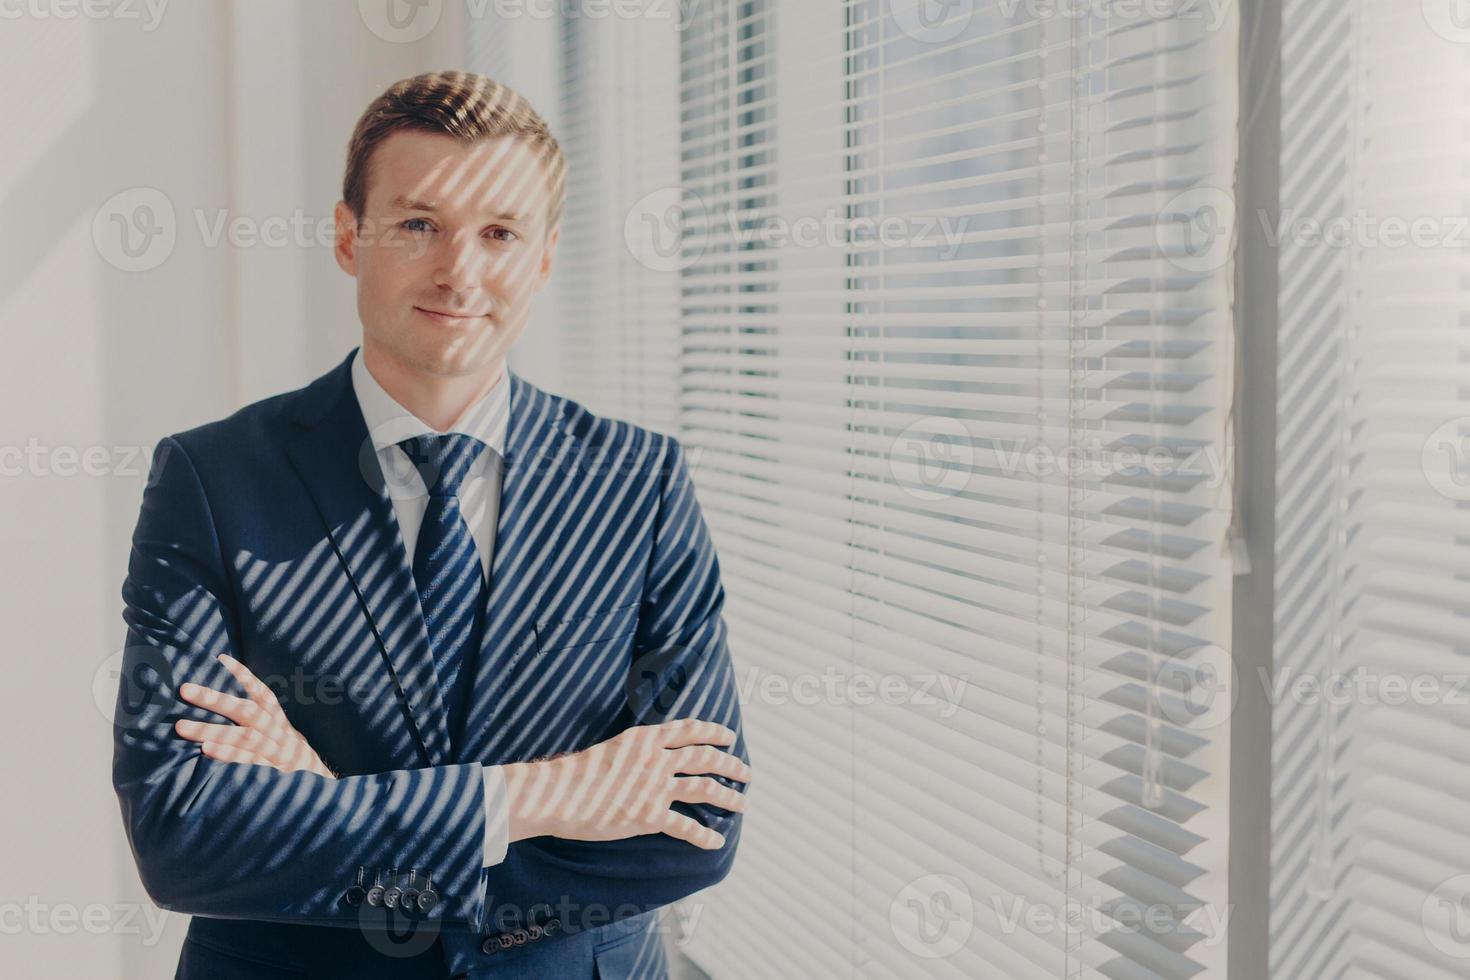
{"x":442,"y":460}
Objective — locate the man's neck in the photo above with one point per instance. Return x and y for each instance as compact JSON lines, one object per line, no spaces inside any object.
{"x":437,"y":400}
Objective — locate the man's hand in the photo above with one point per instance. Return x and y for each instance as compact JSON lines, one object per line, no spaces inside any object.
{"x":261,"y":733}
{"x":623,"y":787}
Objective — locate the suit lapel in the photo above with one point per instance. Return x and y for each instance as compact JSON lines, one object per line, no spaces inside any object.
{"x":335,"y":458}
{"x":539,"y":457}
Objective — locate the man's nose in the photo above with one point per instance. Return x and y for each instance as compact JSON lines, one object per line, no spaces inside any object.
{"x":461,"y":263}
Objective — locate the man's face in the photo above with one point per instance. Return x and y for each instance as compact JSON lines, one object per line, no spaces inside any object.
{"x":448,"y":229}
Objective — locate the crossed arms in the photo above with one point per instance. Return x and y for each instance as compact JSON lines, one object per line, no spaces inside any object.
{"x":245,"y":821}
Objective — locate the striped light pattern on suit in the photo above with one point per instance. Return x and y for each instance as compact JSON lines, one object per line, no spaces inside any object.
{"x":604,"y":611}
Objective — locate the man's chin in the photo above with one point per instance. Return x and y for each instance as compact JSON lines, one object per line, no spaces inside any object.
{"x":463,"y":359}
{"x":438,"y":349}
{"x":441,"y":353}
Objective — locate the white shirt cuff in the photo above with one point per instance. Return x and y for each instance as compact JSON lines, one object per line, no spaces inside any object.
{"x":497,"y":816}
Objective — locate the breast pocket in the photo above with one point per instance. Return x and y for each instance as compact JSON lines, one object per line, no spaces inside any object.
{"x":577,"y":680}
{"x":604,"y":626}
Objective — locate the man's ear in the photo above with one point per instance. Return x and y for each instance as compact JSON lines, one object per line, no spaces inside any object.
{"x":344,"y":245}
{"x":548,"y":255}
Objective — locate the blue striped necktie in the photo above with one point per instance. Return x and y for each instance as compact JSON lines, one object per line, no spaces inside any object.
{"x":446,"y":567}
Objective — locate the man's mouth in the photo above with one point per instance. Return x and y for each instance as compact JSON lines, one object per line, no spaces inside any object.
{"x":452,"y":319}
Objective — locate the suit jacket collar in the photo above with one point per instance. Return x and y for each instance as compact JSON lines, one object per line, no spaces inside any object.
{"x":336,"y":459}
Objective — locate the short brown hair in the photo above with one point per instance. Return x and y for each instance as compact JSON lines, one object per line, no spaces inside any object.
{"x":461,"y":104}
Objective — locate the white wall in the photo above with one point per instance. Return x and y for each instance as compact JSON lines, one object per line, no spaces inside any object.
{"x":210,"y":106}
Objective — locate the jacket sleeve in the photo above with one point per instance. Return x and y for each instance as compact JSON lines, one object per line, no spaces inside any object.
{"x":681,"y":668}
{"x":247,"y":841}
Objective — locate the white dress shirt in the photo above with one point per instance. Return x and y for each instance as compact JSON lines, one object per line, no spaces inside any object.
{"x":389,"y":423}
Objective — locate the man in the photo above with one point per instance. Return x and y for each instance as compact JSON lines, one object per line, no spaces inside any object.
{"x":426,"y":673}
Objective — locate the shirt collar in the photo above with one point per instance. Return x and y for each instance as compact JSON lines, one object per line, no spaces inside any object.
{"x":389,"y":423}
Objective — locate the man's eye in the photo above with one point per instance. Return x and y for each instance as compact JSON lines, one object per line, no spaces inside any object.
{"x":412,"y":221}
{"x":513,"y":235}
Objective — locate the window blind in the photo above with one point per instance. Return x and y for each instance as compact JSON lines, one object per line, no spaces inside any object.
{"x":617,"y":332}
{"x":919,"y":261}
{"x":1370,"y":763}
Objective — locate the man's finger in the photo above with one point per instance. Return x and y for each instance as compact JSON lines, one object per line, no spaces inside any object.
{"x":691,"y":731}
{"x":204,"y":731}
{"x":691,"y":830}
{"x":238,"y":710}
{"x":269,"y":744}
{"x":255,"y":689}
{"x":248,"y":739}
{"x":702,"y":789}
{"x":698,"y":760}
{"x":230,"y":753}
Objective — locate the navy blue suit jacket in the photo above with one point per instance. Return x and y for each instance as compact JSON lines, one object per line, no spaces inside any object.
{"x":270,"y":535}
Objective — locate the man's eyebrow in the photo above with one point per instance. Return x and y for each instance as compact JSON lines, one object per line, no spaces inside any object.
{"x":402,"y":202}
